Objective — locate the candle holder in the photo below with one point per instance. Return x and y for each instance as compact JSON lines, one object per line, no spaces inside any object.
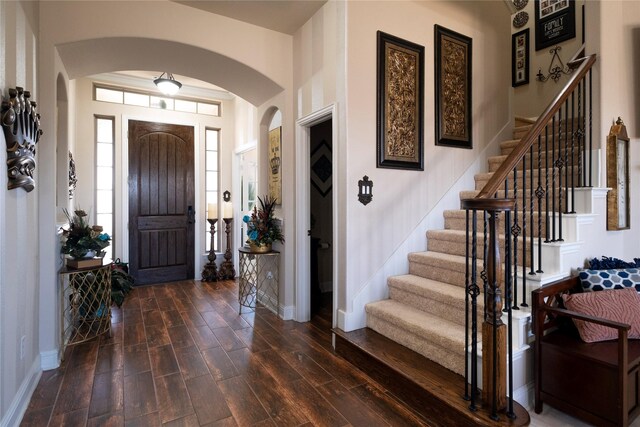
{"x":227,"y":271}
{"x":210,"y":271}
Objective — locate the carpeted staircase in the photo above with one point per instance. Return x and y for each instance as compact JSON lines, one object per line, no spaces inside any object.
{"x":426,"y":308}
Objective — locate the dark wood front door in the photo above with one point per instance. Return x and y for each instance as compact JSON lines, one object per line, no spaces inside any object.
{"x":161,"y":202}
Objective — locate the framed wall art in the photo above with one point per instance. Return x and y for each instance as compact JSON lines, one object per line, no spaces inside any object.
{"x":618,"y":206}
{"x":400,"y":98}
{"x":275,"y":158}
{"x":555,"y":22}
{"x":453,"y":88}
{"x":520,"y":58}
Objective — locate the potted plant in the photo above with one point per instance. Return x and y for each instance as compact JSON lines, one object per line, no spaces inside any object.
{"x":80,"y":240}
{"x":262,"y":228}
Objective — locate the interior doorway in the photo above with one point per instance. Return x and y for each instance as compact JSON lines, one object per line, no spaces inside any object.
{"x":161,"y":202}
{"x":321,"y":223}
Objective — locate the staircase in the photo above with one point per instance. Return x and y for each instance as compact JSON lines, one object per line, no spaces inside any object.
{"x":426,"y":308}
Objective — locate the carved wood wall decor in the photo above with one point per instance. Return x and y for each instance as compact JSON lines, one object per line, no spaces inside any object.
{"x":453,"y":88}
{"x":21,"y":126}
{"x":73,"y":180}
{"x":400,"y":98}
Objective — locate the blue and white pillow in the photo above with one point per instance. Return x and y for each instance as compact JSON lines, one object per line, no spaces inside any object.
{"x":598,"y":280}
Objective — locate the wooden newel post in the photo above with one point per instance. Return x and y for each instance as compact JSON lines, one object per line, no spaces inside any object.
{"x":494,"y":331}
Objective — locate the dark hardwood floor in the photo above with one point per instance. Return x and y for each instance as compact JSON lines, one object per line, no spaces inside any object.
{"x":180,"y":355}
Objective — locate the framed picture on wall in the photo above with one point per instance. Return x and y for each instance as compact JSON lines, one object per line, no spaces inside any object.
{"x":520,"y":58}
{"x":555,"y":22}
{"x":400,"y":98}
{"x":453,"y":88}
{"x":275,"y":177}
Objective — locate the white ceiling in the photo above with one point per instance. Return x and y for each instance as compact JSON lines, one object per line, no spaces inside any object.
{"x":285,"y":16}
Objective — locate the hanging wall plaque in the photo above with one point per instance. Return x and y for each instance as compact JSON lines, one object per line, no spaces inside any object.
{"x":21,"y":126}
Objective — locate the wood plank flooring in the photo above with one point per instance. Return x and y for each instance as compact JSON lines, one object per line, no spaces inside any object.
{"x":180,"y":355}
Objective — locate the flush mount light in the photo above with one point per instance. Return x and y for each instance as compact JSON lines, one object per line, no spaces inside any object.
{"x":167,"y":85}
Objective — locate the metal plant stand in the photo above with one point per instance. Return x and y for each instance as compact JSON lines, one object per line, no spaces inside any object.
{"x":258,"y":280}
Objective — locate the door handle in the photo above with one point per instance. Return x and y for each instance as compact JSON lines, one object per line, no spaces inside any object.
{"x":191,"y":215}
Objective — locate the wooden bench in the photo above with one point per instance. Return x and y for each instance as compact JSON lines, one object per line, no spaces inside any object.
{"x":597,"y":382}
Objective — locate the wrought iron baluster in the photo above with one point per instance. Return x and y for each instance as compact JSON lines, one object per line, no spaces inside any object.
{"x":546,"y":182}
{"x":511,"y":292}
{"x":553,"y":180}
{"x":466,"y":308}
{"x":515,"y":232}
{"x":475,"y":290}
{"x":540,"y":194}
{"x":580,"y":136}
{"x":566,"y":155}
{"x":559,"y":165}
{"x":573,"y":160}
{"x":524,"y":234}
{"x":590,"y":127}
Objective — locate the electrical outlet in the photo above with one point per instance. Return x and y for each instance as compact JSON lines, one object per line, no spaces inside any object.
{"x":269,"y":275}
{"x":22,"y":342}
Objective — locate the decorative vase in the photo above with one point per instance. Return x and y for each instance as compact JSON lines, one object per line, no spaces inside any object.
{"x":262,"y":248}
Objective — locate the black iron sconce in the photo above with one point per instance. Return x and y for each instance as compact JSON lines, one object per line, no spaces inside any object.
{"x":226,"y":196}
{"x":555,"y":71}
{"x":364,"y":190}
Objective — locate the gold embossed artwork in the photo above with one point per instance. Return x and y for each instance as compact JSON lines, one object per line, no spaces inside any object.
{"x":400,"y":99}
{"x":453,"y":88}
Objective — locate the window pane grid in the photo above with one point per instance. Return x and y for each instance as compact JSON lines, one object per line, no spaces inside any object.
{"x":211,"y":185}
{"x":104,"y":177}
{"x":151,"y":100}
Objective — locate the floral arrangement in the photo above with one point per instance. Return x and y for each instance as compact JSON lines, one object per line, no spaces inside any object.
{"x":80,"y":238}
{"x":262,"y":228}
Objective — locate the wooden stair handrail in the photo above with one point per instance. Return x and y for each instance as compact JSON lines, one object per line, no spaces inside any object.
{"x":512,"y":160}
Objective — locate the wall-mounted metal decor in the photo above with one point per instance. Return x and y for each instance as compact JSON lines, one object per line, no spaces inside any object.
{"x":275,"y":159}
{"x":365,"y":190}
{"x":520,"y":58}
{"x":226,"y":196}
{"x":73,"y":180}
{"x":556,"y":67}
{"x":521,"y":19}
{"x":555,"y":22}
{"x":21,"y":126}
{"x":520,"y":4}
{"x":400,"y":99}
{"x":453,"y":88}
{"x":618,"y":203}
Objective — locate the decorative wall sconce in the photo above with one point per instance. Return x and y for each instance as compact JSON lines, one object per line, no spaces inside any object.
{"x":21,"y":126}
{"x":555,"y":71}
{"x":226,"y":196}
{"x":73,"y":179}
{"x":364,"y":190}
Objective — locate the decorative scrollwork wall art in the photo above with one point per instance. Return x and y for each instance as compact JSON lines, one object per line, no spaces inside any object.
{"x":21,"y":126}
{"x":453,"y":88}
{"x":400,"y":97}
{"x":556,"y":67}
{"x":73,"y":179}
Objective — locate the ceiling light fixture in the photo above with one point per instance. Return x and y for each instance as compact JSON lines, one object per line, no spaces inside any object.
{"x":167,"y":85}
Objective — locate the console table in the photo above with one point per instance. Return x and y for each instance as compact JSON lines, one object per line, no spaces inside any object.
{"x":258,"y":280}
{"x":85,"y":303}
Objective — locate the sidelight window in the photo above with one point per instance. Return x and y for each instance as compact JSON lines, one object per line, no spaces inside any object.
{"x":104,"y":177}
{"x":212,"y":172}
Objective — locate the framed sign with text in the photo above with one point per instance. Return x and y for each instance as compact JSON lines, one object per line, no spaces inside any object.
{"x":555,"y":22}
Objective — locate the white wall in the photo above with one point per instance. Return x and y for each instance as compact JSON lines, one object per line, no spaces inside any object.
{"x":84,"y":153}
{"x":530,"y":100}
{"x":616,"y":40}
{"x":401,"y":199}
{"x":19,"y":224}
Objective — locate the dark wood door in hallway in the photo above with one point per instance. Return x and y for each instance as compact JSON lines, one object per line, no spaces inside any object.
{"x":180,"y":355}
{"x":161,"y":202}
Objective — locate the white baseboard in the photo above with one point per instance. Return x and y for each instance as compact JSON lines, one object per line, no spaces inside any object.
{"x":20,"y":402}
{"x":49,"y":360}
{"x":524,"y":395}
{"x":287,"y":312}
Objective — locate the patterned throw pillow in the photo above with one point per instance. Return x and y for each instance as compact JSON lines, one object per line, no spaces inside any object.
{"x":598,"y":280}
{"x":618,"y":305}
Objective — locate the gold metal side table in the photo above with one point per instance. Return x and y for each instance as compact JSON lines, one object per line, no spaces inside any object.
{"x":85,"y":303}
{"x":258,"y":280}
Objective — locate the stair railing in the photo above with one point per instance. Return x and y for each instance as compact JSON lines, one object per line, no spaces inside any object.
{"x":556,"y":156}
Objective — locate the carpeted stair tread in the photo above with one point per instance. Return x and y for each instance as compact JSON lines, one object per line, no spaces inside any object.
{"x":433,"y":337}
{"x":431,"y":296}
